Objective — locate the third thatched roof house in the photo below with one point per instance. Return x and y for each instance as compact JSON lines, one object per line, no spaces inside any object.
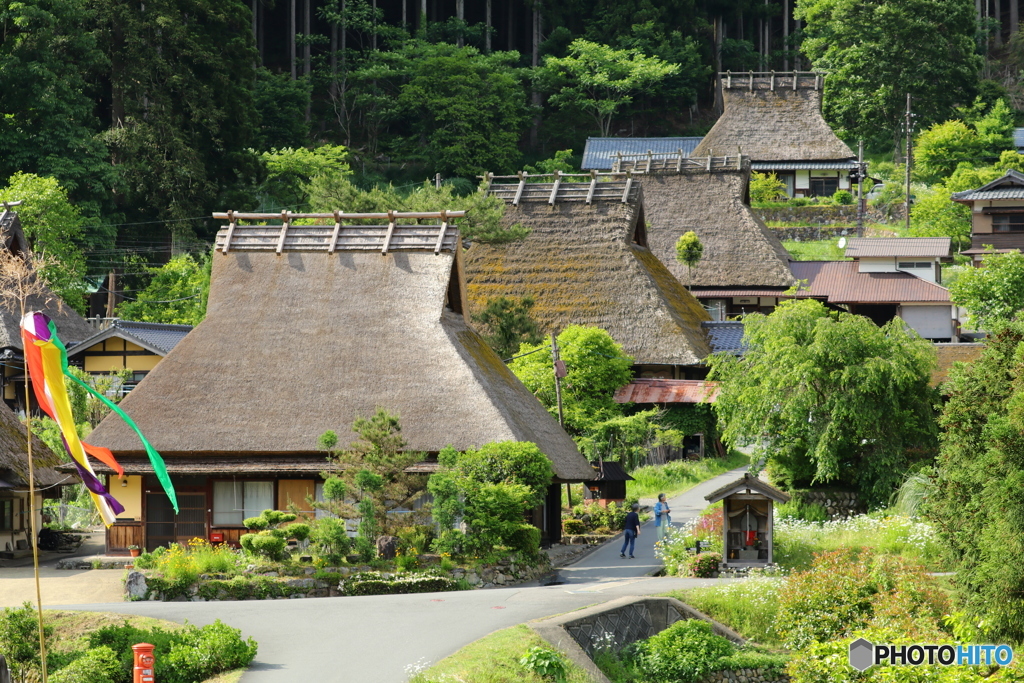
{"x":309,"y":327}
{"x":775,"y":119}
{"x":744,"y":268}
{"x":586,"y":261}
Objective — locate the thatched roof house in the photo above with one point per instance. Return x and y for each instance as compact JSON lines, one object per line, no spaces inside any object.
{"x":15,"y":529}
{"x":309,"y":327}
{"x":586,"y":261}
{"x":744,"y":267}
{"x":775,"y":119}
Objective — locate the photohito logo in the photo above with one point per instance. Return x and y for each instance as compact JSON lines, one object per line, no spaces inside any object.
{"x":864,"y":654}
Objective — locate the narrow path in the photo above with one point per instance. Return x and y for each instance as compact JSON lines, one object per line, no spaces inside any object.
{"x":604,"y":564}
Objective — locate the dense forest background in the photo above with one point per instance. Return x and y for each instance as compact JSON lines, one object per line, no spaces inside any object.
{"x":151,"y":115}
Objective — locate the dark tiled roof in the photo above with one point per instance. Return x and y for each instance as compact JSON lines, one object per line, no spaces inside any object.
{"x":159,"y":338}
{"x":667,"y":391}
{"x":1008,"y":186}
{"x":841,"y":282}
{"x":924,"y":247}
{"x":611,"y":471}
{"x":599,"y":154}
{"x":726,"y":336}
{"x":838,"y":165}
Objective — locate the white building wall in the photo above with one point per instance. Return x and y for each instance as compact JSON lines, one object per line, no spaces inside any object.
{"x":877,"y":265}
{"x":929,"y":321}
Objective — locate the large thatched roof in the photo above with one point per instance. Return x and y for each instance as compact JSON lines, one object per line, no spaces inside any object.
{"x":71,"y":327}
{"x":587,"y":263}
{"x":773,"y":117}
{"x":14,"y":455}
{"x":706,"y":195}
{"x":308,"y":330}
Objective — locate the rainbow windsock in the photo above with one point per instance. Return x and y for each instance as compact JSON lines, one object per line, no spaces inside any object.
{"x":46,"y":360}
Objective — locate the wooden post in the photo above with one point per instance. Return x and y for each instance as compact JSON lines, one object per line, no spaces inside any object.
{"x":111,"y":293}
{"x":291,"y":38}
{"x":559,"y":373}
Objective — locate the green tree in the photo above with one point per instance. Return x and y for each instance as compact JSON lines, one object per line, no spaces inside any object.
{"x":19,"y":643}
{"x":491,"y":489}
{"x":994,"y":292}
{"x":53,"y":227}
{"x":977,"y":499}
{"x":596,"y":367}
{"x":509,"y":324}
{"x":289,"y":172}
{"x":467,"y":107}
{"x":368,"y":479}
{"x":877,"y":51}
{"x":689,"y":251}
{"x":766,"y":187}
{"x":182,"y":117}
{"x":831,"y":397}
{"x":599,"y":80}
{"x":935,"y":214}
{"x":49,"y":64}
{"x":281,"y":104}
{"x":177,"y":293}
{"x":940,"y":149}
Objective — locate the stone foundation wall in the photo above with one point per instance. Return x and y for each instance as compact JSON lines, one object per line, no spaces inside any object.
{"x":830,"y":215}
{"x":838,"y":504}
{"x":812,"y":233}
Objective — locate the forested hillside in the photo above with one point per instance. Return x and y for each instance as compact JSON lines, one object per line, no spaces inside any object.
{"x":150,"y":115}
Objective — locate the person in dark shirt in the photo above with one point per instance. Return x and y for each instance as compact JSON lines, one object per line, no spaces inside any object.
{"x":631,"y":530}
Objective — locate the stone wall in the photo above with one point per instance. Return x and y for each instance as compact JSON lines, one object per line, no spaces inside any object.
{"x":830,"y":214}
{"x":811,"y":233}
{"x":838,"y":504}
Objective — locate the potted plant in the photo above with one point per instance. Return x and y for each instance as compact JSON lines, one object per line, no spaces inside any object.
{"x":134,"y":550}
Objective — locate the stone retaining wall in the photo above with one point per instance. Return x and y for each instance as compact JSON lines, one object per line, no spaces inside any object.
{"x":838,"y":504}
{"x":830,"y":215}
{"x":812,"y":233}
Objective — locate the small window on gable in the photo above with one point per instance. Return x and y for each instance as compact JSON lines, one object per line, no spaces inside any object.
{"x":911,"y":265}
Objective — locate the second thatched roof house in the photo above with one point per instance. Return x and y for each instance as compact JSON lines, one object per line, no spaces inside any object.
{"x":309,"y":327}
{"x":775,"y":119}
{"x":586,"y":261}
{"x":744,"y":268}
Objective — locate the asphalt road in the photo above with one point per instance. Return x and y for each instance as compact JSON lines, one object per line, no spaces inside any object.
{"x":374,"y":639}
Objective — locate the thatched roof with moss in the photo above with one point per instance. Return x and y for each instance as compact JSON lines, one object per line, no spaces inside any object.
{"x":768,"y":119}
{"x":14,"y":454}
{"x":308,"y":329}
{"x":739,"y":250}
{"x":71,"y":327}
{"x":587,"y":263}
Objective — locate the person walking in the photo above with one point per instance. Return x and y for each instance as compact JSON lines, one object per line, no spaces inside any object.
{"x":631,"y":530}
{"x":662,"y":518}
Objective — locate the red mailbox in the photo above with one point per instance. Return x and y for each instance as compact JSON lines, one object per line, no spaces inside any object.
{"x":144,"y":663}
{"x":216,"y":537}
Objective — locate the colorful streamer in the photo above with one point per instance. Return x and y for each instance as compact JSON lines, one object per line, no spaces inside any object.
{"x":46,"y":360}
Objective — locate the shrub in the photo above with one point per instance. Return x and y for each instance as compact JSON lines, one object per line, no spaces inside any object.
{"x":19,"y":639}
{"x":264,"y":544}
{"x":686,"y":651}
{"x":573,"y":527}
{"x":842,"y":197}
{"x":375,"y":583}
{"x":329,"y":539}
{"x":766,"y":187}
{"x":545,"y":663}
{"x":704,"y":565}
{"x":797,"y":509}
{"x":96,"y":665}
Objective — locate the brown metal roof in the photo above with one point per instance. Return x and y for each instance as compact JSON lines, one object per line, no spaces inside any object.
{"x":840,"y":282}
{"x":667,"y":391}
{"x":873,"y":247}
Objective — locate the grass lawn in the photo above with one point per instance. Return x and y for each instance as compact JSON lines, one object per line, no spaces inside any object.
{"x":680,"y":475}
{"x":817,"y":250}
{"x":494,"y":659}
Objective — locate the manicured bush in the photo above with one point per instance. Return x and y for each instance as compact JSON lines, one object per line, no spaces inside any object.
{"x":375,"y":583}
{"x":842,"y":197}
{"x":704,"y":565}
{"x":573,"y":527}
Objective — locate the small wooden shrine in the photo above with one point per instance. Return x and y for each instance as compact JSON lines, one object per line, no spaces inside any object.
{"x":747,"y":511}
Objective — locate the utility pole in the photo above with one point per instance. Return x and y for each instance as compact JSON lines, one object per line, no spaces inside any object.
{"x":910,"y":137}
{"x":559,"y":368}
{"x":861,"y":172}
{"x":111,"y":293}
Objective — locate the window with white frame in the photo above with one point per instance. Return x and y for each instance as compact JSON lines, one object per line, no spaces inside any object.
{"x":234,"y":501}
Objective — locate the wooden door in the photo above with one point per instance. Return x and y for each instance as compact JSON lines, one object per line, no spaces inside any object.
{"x":164,"y":527}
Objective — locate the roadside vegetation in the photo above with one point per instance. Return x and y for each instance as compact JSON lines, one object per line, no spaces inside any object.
{"x":679,"y":476}
{"x":95,"y":647}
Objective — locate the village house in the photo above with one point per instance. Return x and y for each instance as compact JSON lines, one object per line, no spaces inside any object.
{"x":887,"y":278}
{"x":744,"y":267}
{"x":775,"y":119}
{"x":15,"y":524}
{"x":309,"y":327}
{"x":586,"y":261}
{"x":601,"y":154}
{"x":126,"y":345}
{"x":997,"y":216}
{"x":71,"y":327}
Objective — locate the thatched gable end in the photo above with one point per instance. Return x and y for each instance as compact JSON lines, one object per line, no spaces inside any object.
{"x":14,"y":454}
{"x":586,"y":262}
{"x":71,"y":327}
{"x":707,"y":197}
{"x":302,"y":341}
{"x":773,"y":117}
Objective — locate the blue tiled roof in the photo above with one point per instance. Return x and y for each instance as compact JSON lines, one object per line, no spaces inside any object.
{"x":599,"y":154}
{"x":159,"y":338}
{"x":1018,"y":138}
{"x":726,"y":336}
{"x":843,"y":164}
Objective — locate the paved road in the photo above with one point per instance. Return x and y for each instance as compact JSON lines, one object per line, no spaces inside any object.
{"x":373,"y":639}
